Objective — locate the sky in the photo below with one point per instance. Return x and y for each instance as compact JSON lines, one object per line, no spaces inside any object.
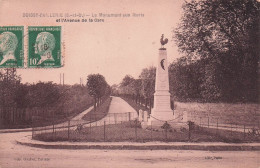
{"x":113,"y":48}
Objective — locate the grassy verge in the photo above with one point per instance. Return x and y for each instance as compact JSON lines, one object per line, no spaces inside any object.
{"x":223,"y":113}
{"x":100,"y":112}
{"x":40,"y":121}
{"x":136,"y":106}
{"x":91,"y":116}
{"x":57,"y":119}
{"x":229,"y":136}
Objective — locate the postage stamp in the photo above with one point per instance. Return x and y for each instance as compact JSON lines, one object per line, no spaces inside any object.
{"x":44,"y":46}
{"x":11,"y":46}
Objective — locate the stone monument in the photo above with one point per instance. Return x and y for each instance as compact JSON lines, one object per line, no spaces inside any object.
{"x":162,"y":106}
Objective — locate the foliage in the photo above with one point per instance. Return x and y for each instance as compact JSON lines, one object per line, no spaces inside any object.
{"x":219,"y":40}
{"x":185,"y":80}
{"x":127,"y":80}
{"x":147,"y":77}
{"x":19,"y":102}
{"x":141,"y":89}
{"x":97,"y":87}
{"x":127,"y":85}
{"x":166,"y":126}
{"x":9,"y":83}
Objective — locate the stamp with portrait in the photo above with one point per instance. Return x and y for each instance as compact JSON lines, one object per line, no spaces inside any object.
{"x":11,"y":46}
{"x":44,"y":46}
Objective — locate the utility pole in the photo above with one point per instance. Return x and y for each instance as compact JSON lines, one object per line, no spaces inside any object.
{"x":63,"y":79}
{"x":60,"y":78}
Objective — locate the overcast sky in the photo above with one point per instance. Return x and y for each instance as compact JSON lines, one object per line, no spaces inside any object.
{"x":117,"y":47}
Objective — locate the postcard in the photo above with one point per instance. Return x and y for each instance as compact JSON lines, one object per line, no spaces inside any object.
{"x":129,"y":83}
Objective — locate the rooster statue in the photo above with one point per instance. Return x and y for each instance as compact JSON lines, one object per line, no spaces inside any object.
{"x":163,"y":41}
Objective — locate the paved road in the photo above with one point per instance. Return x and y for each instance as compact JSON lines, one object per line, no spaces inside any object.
{"x":118,"y":111}
{"x":118,"y":105}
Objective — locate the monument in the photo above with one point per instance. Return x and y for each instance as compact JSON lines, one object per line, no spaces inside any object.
{"x":162,"y":107}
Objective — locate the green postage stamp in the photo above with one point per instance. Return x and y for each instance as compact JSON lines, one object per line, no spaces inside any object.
{"x":44,"y":46}
{"x":11,"y":46}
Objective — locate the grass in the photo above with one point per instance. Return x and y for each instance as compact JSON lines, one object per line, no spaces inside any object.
{"x":100,"y":112}
{"x":229,"y":136}
{"x":223,"y":113}
{"x":132,"y":132}
{"x":133,"y":104}
{"x":57,"y":119}
{"x":39,"y":121}
{"x":129,"y":131}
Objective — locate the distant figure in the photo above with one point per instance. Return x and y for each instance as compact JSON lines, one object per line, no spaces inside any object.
{"x":172,"y":104}
{"x":8,"y":44}
{"x":163,"y":41}
{"x":44,"y":45}
{"x":79,"y":128}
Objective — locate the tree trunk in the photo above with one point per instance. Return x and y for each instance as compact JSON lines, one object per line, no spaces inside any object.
{"x":150,"y":105}
{"x":95,"y":101}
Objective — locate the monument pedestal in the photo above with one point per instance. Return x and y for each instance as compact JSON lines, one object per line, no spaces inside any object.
{"x":162,"y":107}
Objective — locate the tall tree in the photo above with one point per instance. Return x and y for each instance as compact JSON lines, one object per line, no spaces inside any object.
{"x":147,"y":77}
{"x":226,"y":35}
{"x":9,"y":83}
{"x":97,"y":87}
{"x":185,"y":80}
{"x":126,"y":86}
{"x":137,"y":87}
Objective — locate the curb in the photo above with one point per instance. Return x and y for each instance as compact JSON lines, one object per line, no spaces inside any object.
{"x":15,"y":130}
{"x":147,"y":147}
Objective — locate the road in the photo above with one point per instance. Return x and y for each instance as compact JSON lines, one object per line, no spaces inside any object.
{"x":13,"y":155}
{"x":118,"y":105}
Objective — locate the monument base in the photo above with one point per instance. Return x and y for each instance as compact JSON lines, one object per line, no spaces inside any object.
{"x":163,"y":115}
{"x":158,"y":118}
{"x":157,"y":125}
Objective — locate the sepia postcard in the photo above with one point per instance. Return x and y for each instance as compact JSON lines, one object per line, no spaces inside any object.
{"x":129,"y":83}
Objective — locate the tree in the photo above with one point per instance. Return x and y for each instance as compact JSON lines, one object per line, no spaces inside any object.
{"x":9,"y":82}
{"x":127,"y":80}
{"x":126,"y":86}
{"x":43,"y":94}
{"x":185,"y":80}
{"x":115,"y":89}
{"x":225,"y":35}
{"x":147,"y":77}
{"x":137,"y":87}
{"x":97,"y":87}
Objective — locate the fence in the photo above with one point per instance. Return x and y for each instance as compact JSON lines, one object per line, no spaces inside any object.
{"x":226,"y":130}
{"x":77,"y":129}
{"x":113,"y":127}
{"x":125,"y":127}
